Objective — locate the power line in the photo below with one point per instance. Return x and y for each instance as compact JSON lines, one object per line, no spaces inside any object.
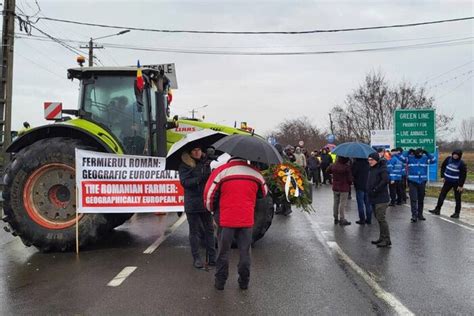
{"x":446,"y":72}
{"x":454,"y":42}
{"x":258,"y":32}
{"x":204,"y":52}
{"x":283,"y":46}
{"x":455,"y":88}
{"x":42,"y":67}
{"x":450,"y":79}
{"x":62,"y":43}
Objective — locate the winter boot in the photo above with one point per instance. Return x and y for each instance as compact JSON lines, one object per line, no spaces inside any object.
{"x":435,"y":211}
{"x":198,"y":263}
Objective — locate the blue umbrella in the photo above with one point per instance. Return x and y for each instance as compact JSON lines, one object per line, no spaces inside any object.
{"x":353,"y":150}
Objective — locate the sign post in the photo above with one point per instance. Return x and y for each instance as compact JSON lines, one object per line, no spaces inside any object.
{"x":415,"y":128}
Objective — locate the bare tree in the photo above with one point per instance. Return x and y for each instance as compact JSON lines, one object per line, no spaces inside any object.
{"x":372,"y":105}
{"x":467,"y":129}
{"x":467,"y":132}
{"x":291,"y":131}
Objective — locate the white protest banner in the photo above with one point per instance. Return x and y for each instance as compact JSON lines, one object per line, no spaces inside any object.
{"x":109,"y":183}
{"x":382,"y":138}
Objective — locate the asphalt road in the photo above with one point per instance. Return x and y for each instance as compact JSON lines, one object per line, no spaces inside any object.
{"x":304,"y":265}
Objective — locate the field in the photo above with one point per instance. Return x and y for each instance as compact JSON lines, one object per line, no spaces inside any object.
{"x":468,"y":195}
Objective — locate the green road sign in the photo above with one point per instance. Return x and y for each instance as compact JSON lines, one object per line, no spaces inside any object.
{"x":415,"y":129}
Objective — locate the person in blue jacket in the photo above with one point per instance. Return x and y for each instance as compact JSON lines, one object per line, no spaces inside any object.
{"x":395,"y":172}
{"x":453,"y":173}
{"x":418,"y":161}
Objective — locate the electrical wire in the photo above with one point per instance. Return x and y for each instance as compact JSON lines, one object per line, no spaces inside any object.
{"x":237,"y":53}
{"x":444,"y":73}
{"x":68,"y":47}
{"x":40,"y":66}
{"x":450,"y":79}
{"x":455,"y":88}
{"x":257,"y":47}
{"x":258,"y":32}
{"x":453,"y":42}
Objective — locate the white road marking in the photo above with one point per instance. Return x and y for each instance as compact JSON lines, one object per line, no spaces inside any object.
{"x":162,"y":238}
{"x":387,"y":297}
{"x":119,"y":278}
{"x":447,"y":220}
{"x":453,"y":222}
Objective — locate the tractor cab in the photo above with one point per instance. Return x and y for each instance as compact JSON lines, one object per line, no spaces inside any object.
{"x":135,"y":117}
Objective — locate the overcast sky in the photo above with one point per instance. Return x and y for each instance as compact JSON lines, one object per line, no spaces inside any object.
{"x":261,"y":90}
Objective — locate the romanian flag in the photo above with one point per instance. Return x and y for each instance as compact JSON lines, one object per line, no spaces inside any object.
{"x":140,"y":82}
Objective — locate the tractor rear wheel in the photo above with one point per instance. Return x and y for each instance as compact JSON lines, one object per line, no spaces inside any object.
{"x":40,"y":197}
{"x":264,"y":211}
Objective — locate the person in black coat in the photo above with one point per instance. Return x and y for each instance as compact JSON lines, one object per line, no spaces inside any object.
{"x":326,"y":160}
{"x":193,"y":174}
{"x":360,"y":172}
{"x":377,"y":188}
{"x":453,"y":173}
{"x":314,"y":167}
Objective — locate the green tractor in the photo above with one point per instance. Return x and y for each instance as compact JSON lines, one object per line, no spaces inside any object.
{"x":113,"y":116}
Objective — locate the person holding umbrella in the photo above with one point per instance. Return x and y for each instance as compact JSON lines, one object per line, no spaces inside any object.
{"x":231,"y":194}
{"x":377,"y":187}
{"x":234,"y":187}
{"x":193,"y":174}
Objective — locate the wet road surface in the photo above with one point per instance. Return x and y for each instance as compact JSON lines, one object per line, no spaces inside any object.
{"x":303,"y":265}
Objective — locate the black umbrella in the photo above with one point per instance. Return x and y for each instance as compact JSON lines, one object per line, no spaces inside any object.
{"x":248,"y":147}
{"x":203,"y":138}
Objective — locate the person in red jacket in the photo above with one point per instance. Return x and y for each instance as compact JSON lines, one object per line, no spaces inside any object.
{"x":231,"y":193}
{"x":341,"y":186}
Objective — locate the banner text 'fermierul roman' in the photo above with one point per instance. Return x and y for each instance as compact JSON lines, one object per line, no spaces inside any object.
{"x":109,"y":183}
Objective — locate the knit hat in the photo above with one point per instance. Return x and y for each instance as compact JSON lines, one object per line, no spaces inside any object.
{"x":457,"y":152}
{"x":374,"y":156}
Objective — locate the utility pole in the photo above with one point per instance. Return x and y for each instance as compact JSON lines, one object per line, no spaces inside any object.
{"x":91,"y":47}
{"x":193,"y":111}
{"x":6,"y":77}
{"x":331,"y":124}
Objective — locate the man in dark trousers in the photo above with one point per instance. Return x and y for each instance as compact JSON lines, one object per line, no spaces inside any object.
{"x":193,"y":174}
{"x":377,"y":187}
{"x":314,"y":166}
{"x":360,"y":172}
{"x":453,"y":173}
{"x":326,"y":161}
{"x":418,"y":161}
{"x":395,"y":173}
{"x":231,"y":193}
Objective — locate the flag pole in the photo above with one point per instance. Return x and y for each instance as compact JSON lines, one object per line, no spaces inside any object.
{"x":77,"y":225}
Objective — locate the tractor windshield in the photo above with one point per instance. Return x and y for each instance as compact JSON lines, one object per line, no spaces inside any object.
{"x":111,"y":102}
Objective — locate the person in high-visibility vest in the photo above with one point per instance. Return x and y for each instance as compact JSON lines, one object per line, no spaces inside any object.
{"x":453,"y":174}
{"x":26,"y":127}
{"x":418,"y":161}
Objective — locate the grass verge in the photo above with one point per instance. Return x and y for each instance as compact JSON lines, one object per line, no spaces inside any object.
{"x":467,"y":195}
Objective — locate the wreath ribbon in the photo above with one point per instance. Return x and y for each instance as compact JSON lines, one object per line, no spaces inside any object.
{"x":291,"y":181}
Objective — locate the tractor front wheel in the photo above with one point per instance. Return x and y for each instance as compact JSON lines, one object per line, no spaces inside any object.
{"x":40,"y":197}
